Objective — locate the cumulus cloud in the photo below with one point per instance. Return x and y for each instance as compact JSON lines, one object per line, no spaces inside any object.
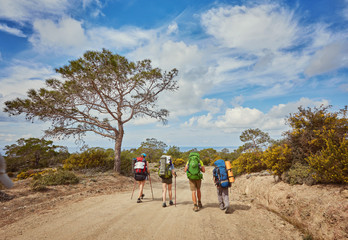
{"x":68,"y":36}
{"x":195,"y":76}
{"x":251,"y":28}
{"x":239,"y":118}
{"x":65,"y":35}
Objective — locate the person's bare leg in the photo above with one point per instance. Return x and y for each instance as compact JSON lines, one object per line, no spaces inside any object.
{"x":141,"y":188}
{"x":194,"y":199}
{"x":170,"y":192}
{"x":164,"y":192}
{"x":199,"y":195}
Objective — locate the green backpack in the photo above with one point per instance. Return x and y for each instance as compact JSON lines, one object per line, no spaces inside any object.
{"x":193,"y":170}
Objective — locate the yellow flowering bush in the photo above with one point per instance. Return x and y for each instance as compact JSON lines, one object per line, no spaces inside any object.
{"x":249,"y":162}
{"x":178,"y":162}
{"x":277,"y":158}
{"x":331,"y":164}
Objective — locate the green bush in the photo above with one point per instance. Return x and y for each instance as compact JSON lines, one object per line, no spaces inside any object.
{"x":299,"y":174}
{"x":52,"y":178}
{"x":91,"y":158}
{"x":126,"y":162}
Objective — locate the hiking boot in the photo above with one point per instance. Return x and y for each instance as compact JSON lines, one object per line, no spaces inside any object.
{"x":171,"y":202}
{"x":142,"y":196}
{"x":138,"y":201}
{"x":164,"y":204}
{"x":195,"y":208}
{"x":200,"y":204}
{"x":227,"y":210}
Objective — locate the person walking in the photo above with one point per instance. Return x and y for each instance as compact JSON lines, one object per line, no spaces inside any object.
{"x":141,"y":171}
{"x":194,"y":168}
{"x":166,"y":172}
{"x":222,"y":184}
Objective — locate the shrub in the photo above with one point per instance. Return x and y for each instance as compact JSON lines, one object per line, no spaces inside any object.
{"x":277,"y":158}
{"x":51,"y":178}
{"x":126,"y":162}
{"x":331,"y":164}
{"x":299,"y":174}
{"x":249,"y":162}
{"x":91,"y":158}
{"x":178,"y":162}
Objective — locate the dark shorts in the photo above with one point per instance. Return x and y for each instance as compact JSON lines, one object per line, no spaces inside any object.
{"x":167,"y":180}
{"x":140,"y":177}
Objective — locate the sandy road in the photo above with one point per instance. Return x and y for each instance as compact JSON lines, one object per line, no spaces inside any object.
{"x":117,"y":217}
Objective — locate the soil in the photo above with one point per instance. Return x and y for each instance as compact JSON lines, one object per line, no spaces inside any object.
{"x":100,"y":207}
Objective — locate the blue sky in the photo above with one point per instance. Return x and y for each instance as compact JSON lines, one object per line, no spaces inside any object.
{"x":242,"y":64}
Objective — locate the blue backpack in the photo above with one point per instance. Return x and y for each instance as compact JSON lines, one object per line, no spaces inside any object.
{"x":220,"y":173}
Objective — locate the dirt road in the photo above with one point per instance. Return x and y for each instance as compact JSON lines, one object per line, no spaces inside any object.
{"x":117,"y":217}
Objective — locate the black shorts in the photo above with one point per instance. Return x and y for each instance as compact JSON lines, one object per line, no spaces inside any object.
{"x":140,"y":177}
{"x":167,"y":180}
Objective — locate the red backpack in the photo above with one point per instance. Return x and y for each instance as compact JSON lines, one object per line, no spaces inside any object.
{"x":140,"y":166}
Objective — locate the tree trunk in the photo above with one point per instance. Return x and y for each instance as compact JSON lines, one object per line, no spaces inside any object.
{"x":118,"y":145}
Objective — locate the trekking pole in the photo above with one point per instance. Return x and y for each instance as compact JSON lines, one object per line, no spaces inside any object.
{"x":133,"y":189}
{"x":175,"y":190}
{"x":151,"y":187}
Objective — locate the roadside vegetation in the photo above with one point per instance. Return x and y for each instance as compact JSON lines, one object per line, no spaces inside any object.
{"x":313,"y":151}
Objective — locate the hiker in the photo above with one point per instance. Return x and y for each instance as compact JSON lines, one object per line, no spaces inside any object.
{"x":166,"y":173}
{"x":222,"y":184}
{"x":4,"y":179}
{"x":141,"y":171}
{"x":194,"y":168}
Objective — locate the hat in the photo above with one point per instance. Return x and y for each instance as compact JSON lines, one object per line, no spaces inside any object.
{"x":4,"y":179}
{"x":143,"y":154}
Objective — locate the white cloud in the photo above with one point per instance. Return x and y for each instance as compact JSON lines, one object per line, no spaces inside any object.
{"x":25,"y":11}
{"x":251,"y":28}
{"x":8,"y":137}
{"x":282,"y":110}
{"x":331,"y":57}
{"x":10,"y":30}
{"x":143,"y":121}
{"x":67,"y":35}
{"x":172,"y":28}
{"x":119,"y":39}
{"x":22,"y":75}
{"x":238,"y":119}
